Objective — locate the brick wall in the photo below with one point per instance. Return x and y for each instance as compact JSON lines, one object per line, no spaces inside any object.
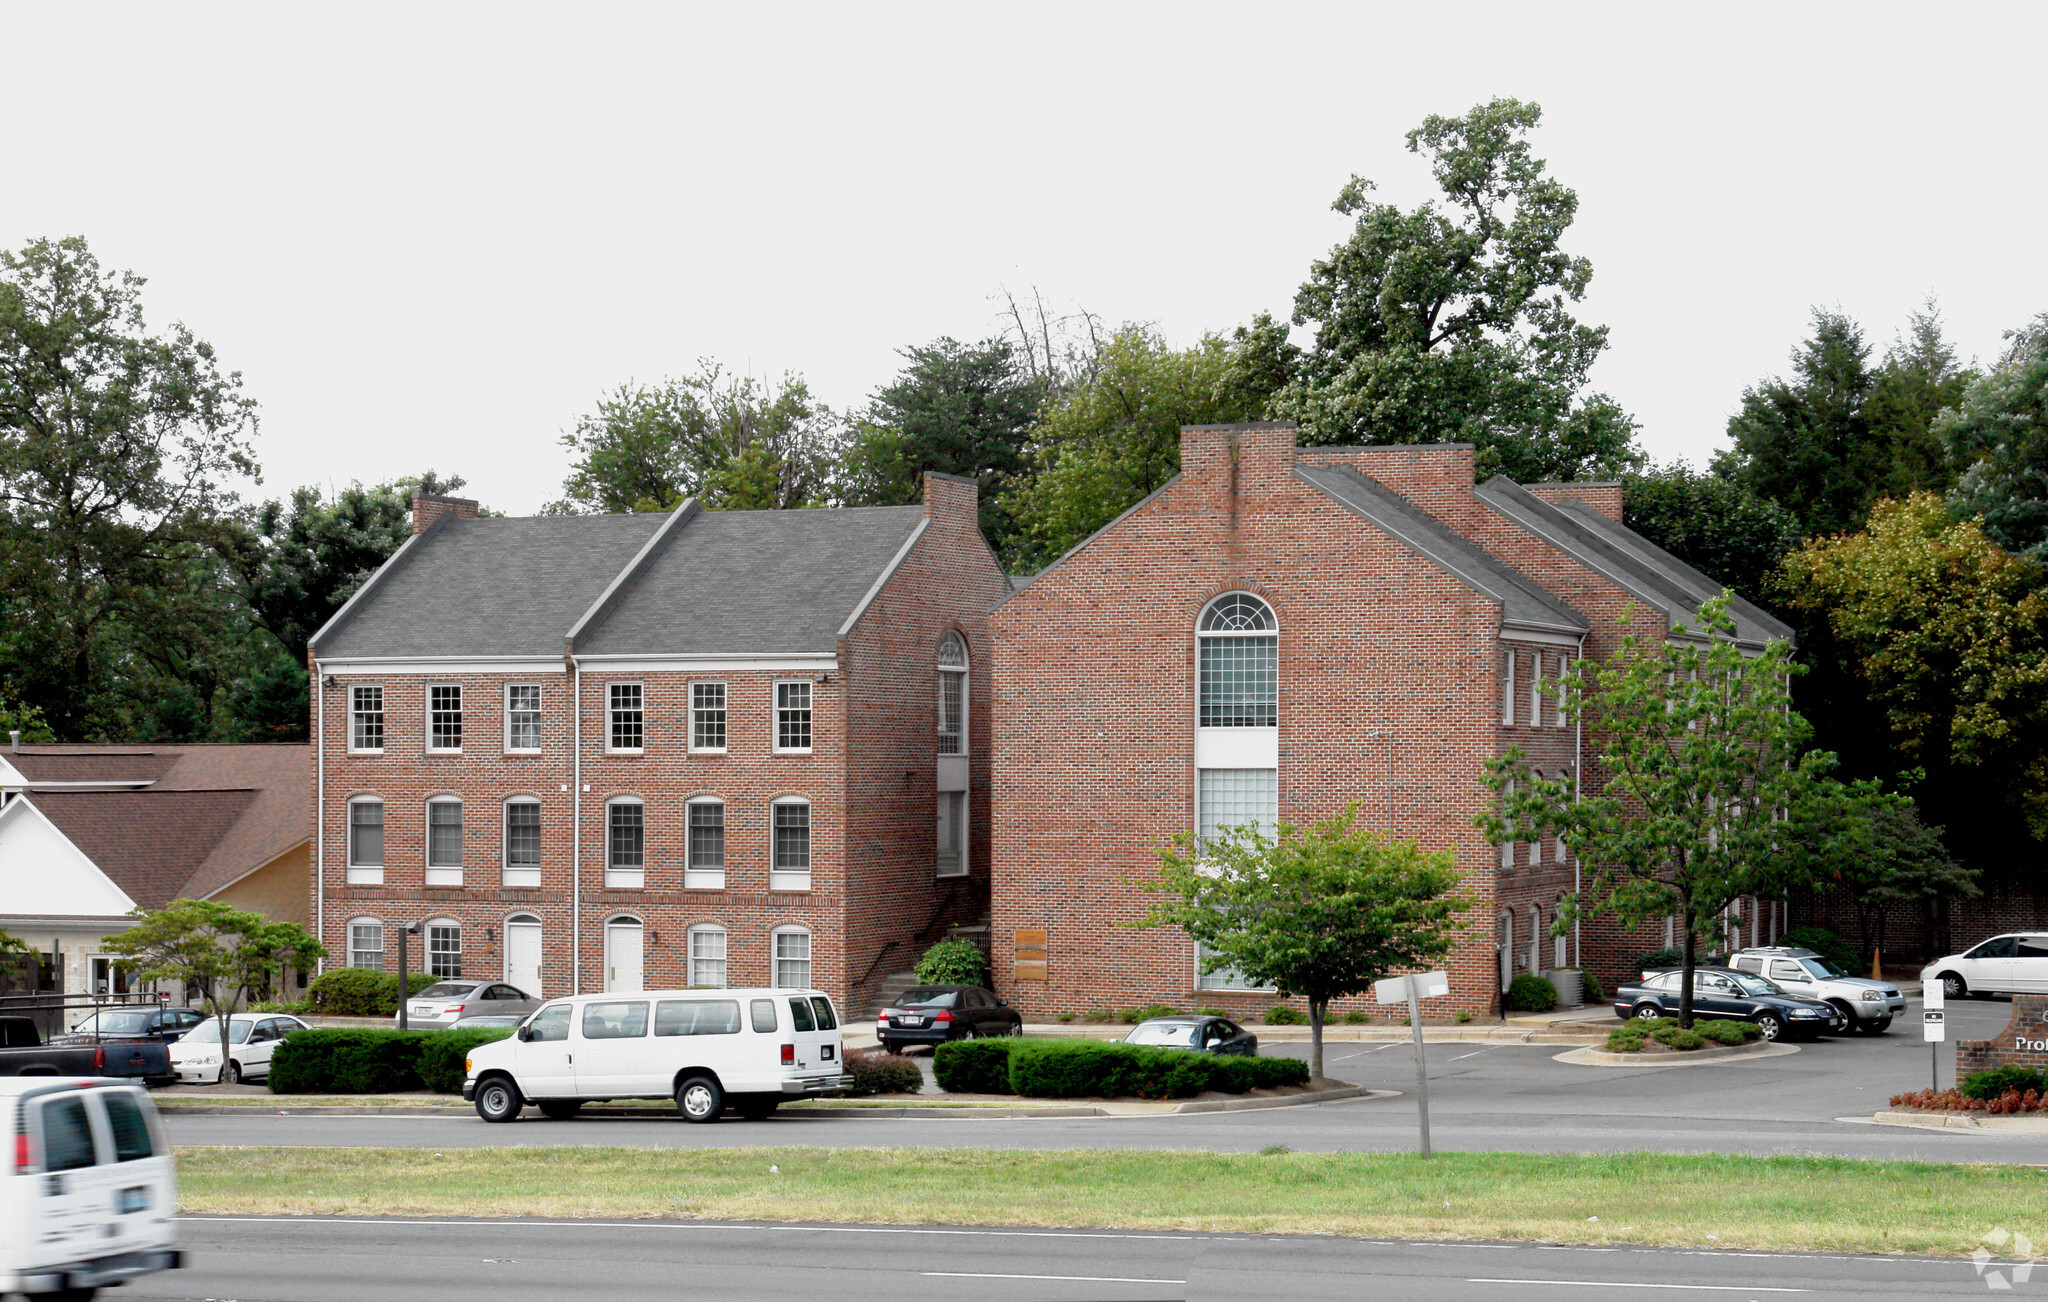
{"x":2023,"y":1042}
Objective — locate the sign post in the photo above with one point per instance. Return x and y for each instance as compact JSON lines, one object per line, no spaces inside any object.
{"x":1933,"y":1028}
{"x":1414,"y":989}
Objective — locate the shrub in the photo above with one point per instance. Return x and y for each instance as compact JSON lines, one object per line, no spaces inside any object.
{"x":1097,"y":1016}
{"x":296,"y":1007}
{"x":1657,"y":958}
{"x":953,"y":963}
{"x":375,"y":1061}
{"x":884,"y":1073}
{"x":1627,"y":1038}
{"x":1132,"y":1016}
{"x":359,"y":992}
{"x":1824,"y":943}
{"x":1464,"y":1016}
{"x":1212,"y":1012}
{"x":1529,"y":993}
{"x":1996,"y":1081}
{"x":443,"y":1054}
{"x":1285,"y":1015}
{"x":1630,"y":1035}
{"x":1357,"y":1017}
{"x":1085,"y":1068}
{"x":1677,"y":1037}
{"x":1064,"y":1018}
{"x":1731,"y":1033}
{"x":1957,"y":1101}
{"x":974,"y":1066}
{"x":1594,"y":994}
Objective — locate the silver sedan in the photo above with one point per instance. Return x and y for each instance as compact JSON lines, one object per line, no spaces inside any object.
{"x":448,"y":1003}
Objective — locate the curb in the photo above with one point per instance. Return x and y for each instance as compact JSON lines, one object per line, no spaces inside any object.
{"x":1962,"y":1121}
{"x":1689,"y":1058}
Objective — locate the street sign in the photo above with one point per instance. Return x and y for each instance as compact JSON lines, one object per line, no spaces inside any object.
{"x":1932,"y":1026}
{"x":1933,"y":995}
{"x":1395,"y":990}
{"x":1412,"y":990}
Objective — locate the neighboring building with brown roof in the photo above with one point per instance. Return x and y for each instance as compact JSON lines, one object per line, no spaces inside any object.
{"x":89,"y":832}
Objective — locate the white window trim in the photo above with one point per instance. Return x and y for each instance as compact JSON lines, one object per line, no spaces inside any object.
{"x":368,"y":874}
{"x":706,"y":879}
{"x":427,"y":944}
{"x":624,"y":879}
{"x":695,"y":749}
{"x":1201,"y":978}
{"x":790,"y":879}
{"x":447,"y":876}
{"x":1507,"y":688}
{"x":383,"y":713}
{"x":505,"y":701}
{"x":690,"y":953}
{"x":775,"y":718}
{"x":775,"y":961}
{"x":963,"y":866}
{"x":427,"y":705}
{"x":962,"y":672}
{"x":609,"y":711}
{"x":349,"y":940}
{"x":505,"y":867}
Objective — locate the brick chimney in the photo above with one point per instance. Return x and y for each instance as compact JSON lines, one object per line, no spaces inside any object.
{"x":1602,"y":495}
{"x":429,"y":507}
{"x":951,"y":496}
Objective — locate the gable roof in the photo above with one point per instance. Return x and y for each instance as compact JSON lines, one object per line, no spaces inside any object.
{"x":150,"y":843}
{"x":1524,"y":603}
{"x":92,"y":765}
{"x":1648,"y":572}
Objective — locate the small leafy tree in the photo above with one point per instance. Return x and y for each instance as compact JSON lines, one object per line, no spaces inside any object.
{"x":1706,"y":761}
{"x":1870,"y":845}
{"x":213,"y":947}
{"x":1321,"y":912}
{"x":953,"y":963}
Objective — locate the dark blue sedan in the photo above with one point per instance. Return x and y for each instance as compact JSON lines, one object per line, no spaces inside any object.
{"x":1721,"y":993}
{"x":1200,"y":1032}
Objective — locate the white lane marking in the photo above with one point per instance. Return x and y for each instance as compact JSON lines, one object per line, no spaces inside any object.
{"x":703,"y":1225}
{"x":1615,"y":1283}
{"x":1072,"y":1279}
{"x":1461,"y":1057}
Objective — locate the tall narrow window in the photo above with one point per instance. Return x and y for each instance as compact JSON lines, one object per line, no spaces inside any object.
{"x":793,"y":716}
{"x":444,"y":949}
{"x":707,"y":716}
{"x":952,"y":695}
{"x":444,"y":717}
{"x":791,"y":867}
{"x":706,"y":867}
{"x":628,"y":718}
{"x":366,"y":944}
{"x":793,"y":958}
{"x":366,"y":719}
{"x":952,"y":834}
{"x":1239,"y":664}
{"x":1507,"y":687}
{"x":522,"y":717}
{"x":1536,"y":689}
{"x":1507,"y":847}
{"x":444,"y":843}
{"x":366,"y":841}
{"x":522,"y":843}
{"x":707,"y":956}
{"x":625,"y":844}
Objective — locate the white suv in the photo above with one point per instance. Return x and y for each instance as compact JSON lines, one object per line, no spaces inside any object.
{"x":2013,"y":964}
{"x":1869,"y":1005}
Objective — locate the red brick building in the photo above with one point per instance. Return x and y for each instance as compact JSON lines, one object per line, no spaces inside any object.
{"x":1279,"y":632}
{"x":622,"y":751}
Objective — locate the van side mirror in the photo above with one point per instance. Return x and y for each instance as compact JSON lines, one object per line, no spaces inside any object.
{"x":523,"y":1033}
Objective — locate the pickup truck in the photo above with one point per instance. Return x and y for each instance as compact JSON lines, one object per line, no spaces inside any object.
{"x":23,"y":1053}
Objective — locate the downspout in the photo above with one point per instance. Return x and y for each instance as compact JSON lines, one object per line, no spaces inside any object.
{"x":1578,"y":786}
{"x":576,"y":829}
{"x":319,"y":809}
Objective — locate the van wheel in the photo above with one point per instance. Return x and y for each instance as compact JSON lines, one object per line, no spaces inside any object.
{"x":699,"y":1099}
{"x":232,"y":1073}
{"x":561,"y":1109}
{"x":759,"y":1107}
{"x":1954,"y":986}
{"x":496,"y":1100}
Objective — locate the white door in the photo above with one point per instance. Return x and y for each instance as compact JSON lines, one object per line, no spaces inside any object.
{"x":622,"y":957}
{"x":522,"y":956}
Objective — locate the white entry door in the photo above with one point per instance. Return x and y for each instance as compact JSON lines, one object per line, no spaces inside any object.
{"x":622,"y":956}
{"x":522,"y":956}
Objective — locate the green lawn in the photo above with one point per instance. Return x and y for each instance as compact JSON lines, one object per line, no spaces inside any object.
{"x":1781,"y":1203}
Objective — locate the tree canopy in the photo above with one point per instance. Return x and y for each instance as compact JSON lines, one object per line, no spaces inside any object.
{"x":1719,"y":526}
{"x":226,"y":953}
{"x":1999,"y":430}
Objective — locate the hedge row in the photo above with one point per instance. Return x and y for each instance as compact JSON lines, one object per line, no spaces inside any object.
{"x":359,"y":992}
{"x":375,"y":1062}
{"x":1066,"y":1069}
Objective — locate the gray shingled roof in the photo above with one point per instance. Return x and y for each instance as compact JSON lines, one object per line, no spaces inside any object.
{"x":754,"y":583}
{"x":1523,"y":601}
{"x":1654,"y":575}
{"x":490,"y":587}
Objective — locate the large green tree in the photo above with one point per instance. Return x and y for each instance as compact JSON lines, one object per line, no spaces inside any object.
{"x":1702,"y":757}
{"x":1319,"y":912}
{"x":736,"y":442}
{"x":1805,"y":442}
{"x":1920,"y":377}
{"x":1999,"y":430}
{"x":1718,"y":526}
{"x":1453,"y":320}
{"x":226,"y":953}
{"x":1869,"y":846}
{"x":117,"y":444}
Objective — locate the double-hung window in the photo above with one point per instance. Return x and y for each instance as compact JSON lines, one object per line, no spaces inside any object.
{"x":628,"y":717}
{"x":366,"y":841}
{"x":707,"y":956}
{"x":522,"y":717}
{"x":705,"y":869}
{"x":707,"y":716}
{"x":444,"y":717}
{"x":444,"y":842}
{"x":793,"y":717}
{"x":790,"y":868}
{"x":792,"y":958}
{"x":366,"y":944}
{"x":625,"y":863}
{"x":444,"y":949}
{"x":522,"y":843}
{"x":366,"y":720}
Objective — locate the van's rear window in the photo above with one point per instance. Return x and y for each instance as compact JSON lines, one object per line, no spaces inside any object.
{"x":131,"y":1129}
{"x":67,"y":1136}
{"x":823,"y":1007}
{"x":697,"y":1017}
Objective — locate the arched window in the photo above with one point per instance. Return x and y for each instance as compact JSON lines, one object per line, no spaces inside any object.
{"x":792,"y":957}
{"x":707,"y":955}
{"x":705,"y":868}
{"x":366,"y":944}
{"x":444,"y":948}
{"x":1240,"y":650}
{"x":952,"y":671}
{"x":366,"y":841}
{"x":522,"y":841}
{"x":625,"y":843}
{"x":444,"y":841}
{"x":951,"y":830}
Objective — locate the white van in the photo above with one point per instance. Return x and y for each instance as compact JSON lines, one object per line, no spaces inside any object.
{"x":87,"y":1190}
{"x":703,"y":1048}
{"x":2015,"y":963}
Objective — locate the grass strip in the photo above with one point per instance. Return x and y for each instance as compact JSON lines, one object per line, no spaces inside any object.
{"x":1664,"y":1199}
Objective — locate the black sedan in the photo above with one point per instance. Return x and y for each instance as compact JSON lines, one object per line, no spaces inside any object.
{"x":1201,"y":1033}
{"x":933,"y":1014}
{"x":139,"y":1022}
{"x":1723,"y":994}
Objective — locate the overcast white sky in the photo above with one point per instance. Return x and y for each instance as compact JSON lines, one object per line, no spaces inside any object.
{"x":431,"y":235}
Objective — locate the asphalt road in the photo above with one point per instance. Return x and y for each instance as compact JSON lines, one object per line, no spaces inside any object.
{"x":1482,"y":1097}
{"x":336,"y":1260}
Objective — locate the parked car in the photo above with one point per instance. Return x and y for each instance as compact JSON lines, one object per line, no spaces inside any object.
{"x":1723,"y":993}
{"x":935,"y":1014}
{"x":90,"y":1197}
{"x":1869,"y":1005}
{"x":489,"y":1020}
{"x":445,"y":1003}
{"x":137,"y":1022}
{"x":23,"y":1053}
{"x":2015,"y":963}
{"x":750,"y":1048}
{"x":252,"y":1038}
{"x":1202,"y":1033}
